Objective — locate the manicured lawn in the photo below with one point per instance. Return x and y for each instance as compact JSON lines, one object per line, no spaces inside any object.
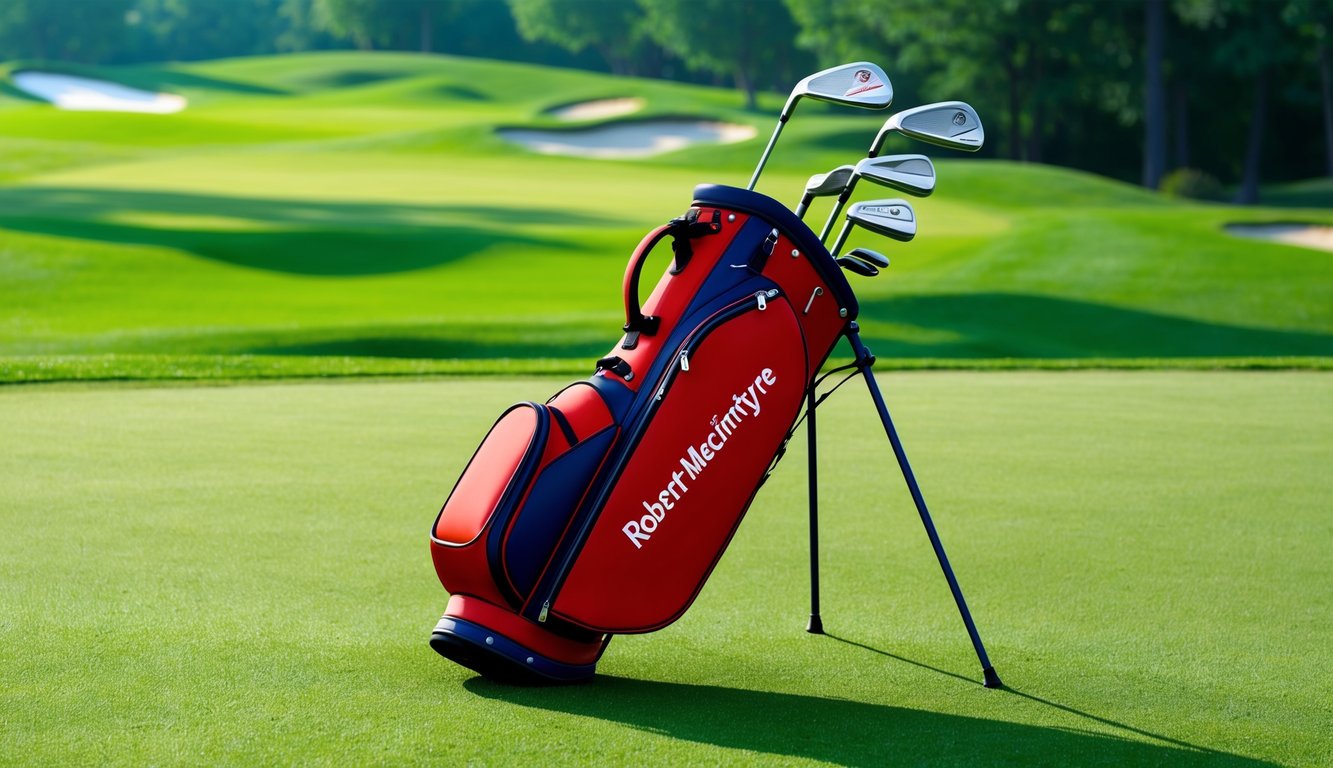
{"x":239,"y":575}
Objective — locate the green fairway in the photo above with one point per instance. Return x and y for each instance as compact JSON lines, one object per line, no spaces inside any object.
{"x":240,"y":575}
{"x":360,"y":208}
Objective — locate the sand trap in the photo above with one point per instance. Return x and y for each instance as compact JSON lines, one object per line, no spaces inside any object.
{"x":88,"y":95}
{"x":1305,"y":235}
{"x":598,"y":110}
{"x":629,"y":140}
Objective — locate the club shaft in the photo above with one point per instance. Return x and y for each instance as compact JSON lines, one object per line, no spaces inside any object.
{"x":842,"y":238}
{"x":804,"y":205}
{"x":837,"y":207}
{"x":772,"y":141}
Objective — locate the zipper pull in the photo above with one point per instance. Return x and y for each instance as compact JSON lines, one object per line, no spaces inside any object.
{"x":684,"y":364}
{"x":763,"y":302}
{"x":546,"y":608}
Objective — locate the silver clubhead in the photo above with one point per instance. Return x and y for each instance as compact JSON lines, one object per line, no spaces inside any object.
{"x":951,"y":124}
{"x":859,"y":84}
{"x":831,"y":183}
{"x":891,"y":218}
{"x":869,"y":256}
{"x":913,"y":174}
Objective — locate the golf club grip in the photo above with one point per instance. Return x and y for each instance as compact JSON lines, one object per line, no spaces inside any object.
{"x":634,"y":318}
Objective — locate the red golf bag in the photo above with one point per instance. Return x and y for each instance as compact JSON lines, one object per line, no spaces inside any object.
{"x":604,"y":510}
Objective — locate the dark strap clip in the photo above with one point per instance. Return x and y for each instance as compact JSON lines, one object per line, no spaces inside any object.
{"x":646,"y":325}
{"x":686,"y":228}
{"x":616,"y":365}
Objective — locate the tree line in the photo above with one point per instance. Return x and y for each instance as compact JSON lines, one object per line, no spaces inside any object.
{"x":1175,"y":93}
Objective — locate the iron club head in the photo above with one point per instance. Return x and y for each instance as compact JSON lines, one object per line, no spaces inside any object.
{"x":859,"y":84}
{"x":869,"y":256}
{"x":891,"y":218}
{"x":857,"y":266}
{"x":824,"y":184}
{"x":951,"y":124}
{"x":913,"y":174}
{"x":831,"y":183}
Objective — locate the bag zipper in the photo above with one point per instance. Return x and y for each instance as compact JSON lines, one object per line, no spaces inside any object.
{"x":757,"y":301}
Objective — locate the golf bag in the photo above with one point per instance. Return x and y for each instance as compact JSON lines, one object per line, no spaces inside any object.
{"x":604,"y":510}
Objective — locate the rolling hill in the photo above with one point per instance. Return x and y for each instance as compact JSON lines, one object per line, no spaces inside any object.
{"x":348,"y":213}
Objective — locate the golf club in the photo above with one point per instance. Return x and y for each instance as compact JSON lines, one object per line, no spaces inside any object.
{"x":913,"y":174}
{"x":949,"y":124}
{"x":860,"y":84}
{"x":869,"y":256}
{"x":824,"y":184}
{"x":857,"y":266}
{"x":891,"y":218}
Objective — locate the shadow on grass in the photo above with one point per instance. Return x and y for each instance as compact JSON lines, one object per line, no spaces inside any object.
{"x":294,"y":236}
{"x":176,"y":80}
{"x":462,"y":93}
{"x":841,"y":731}
{"x":990,"y":325}
{"x":1312,"y":193}
{"x":1015,"y":692}
{"x":982,"y":326}
{"x":147,"y":78}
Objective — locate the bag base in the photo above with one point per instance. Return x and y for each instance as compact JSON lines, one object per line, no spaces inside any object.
{"x":506,"y":648}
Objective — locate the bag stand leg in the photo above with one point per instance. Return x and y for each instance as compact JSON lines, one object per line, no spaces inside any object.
{"x":865,"y":360}
{"x":816,"y":624}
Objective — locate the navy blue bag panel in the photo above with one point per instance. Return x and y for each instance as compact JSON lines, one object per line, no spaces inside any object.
{"x":547,"y":511}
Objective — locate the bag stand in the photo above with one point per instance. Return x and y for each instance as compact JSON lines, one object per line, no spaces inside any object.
{"x":864,"y":361}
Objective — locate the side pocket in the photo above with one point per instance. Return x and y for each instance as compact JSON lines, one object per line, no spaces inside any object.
{"x":494,"y":475}
{"x":484,"y":498}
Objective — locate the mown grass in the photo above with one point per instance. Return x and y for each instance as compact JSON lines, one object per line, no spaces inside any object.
{"x":361,"y":206}
{"x":239,"y":575}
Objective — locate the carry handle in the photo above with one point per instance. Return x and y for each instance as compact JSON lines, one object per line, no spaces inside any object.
{"x":682,"y":230}
{"x":635,"y":321}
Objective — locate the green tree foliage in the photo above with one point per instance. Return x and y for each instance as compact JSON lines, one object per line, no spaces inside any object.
{"x":612,"y":28}
{"x":1067,"y":80}
{"x":399,"y":24}
{"x":1033,"y":63}
{"x":1256,"y":44}
{"x":86,"y":31}
{"x":1312,"y":21}
{"x":744,"y":39}
{"x":179,"y":30}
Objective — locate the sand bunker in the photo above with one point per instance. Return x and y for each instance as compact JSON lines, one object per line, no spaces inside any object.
{"x":598,"y":110}
{"x":1305,"y":235}
{"x":629,"y":140}
{"x":88,"y":95}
